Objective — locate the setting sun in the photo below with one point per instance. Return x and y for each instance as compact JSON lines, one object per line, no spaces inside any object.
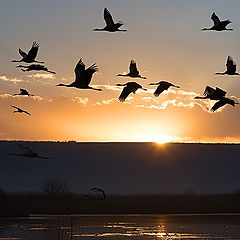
{"x":160,"y":139}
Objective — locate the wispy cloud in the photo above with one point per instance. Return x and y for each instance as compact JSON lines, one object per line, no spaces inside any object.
{"x":10,"y":79}
{"x":42,"y":75}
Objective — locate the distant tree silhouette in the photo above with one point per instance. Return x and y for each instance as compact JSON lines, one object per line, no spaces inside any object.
{"x":52,"y":187}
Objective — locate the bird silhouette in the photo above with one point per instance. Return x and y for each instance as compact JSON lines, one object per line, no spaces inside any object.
{"x":110,"y":25}
{"x":19,"y":110}
{"x":27,"y":152}
{"x":130,"y":87}
{"x":231,"y":67}
{"x":96,"y":189}
{"x":23,"y":92}
{"x":83,"y":76}
{"x":162,"y":85}
{"x":218,"y":25}
{"x":30,"y":56}
{"x":213,"y":94}
{"x":222,"y":102}
{"x":133,"y":71}
{"x":36,"y":67}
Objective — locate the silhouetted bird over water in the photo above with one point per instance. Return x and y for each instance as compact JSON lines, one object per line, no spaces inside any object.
{"x":19,"y":110}
{"x":130,"y":87}
{"x":23,"y":92}
{"x":35,"y":67}
{"x":82,"y":76}
{"x":231,"y":67}
{"x":27,"y":152}
{"x":30,"y":56}
{"x":99,"y":190}
{"x":218,"y":25}
{"x":162,"y":86}
{"x":110,"y":25}
{"x":133,"y":71}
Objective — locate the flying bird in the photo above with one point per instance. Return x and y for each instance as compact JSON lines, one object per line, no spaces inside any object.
{"x":133,"y":71}
{"x":130,"y":87}
{"x":19,"y":110}
{"x":213,"y":94}
{"x":218,"y":25}
{"x":27,"y":152}
{"x":23,"y":92}
{"x":231,"y":67}
{"x":36,"y":67}
{"x":30,"y":56}
{"x":223,"y":101}
{"x":162,"y":85}
{"x":83,"y":76}
{"x":110,"y":25}
{"x":95,"y":189}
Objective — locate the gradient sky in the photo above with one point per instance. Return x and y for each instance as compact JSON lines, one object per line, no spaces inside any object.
{"x":163,"y":37}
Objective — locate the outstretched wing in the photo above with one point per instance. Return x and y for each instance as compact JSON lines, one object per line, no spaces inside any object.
{"x":218,"y":104}
{"x":161,"y":87}
{"x":215,"y":19}
{"x":80,"y":67}
{"x":14,"y":107}
{"x":88,"y":74}
{"x":124,"y":94}
{"x":220,"y":92}
{"x":133,"y":67}
{"x":22,"y":53}
{"x":208,"y":90}
{"x":23,"y":91}
{"x":108,"y":18}
{"x":24,"y":148}
{"x":231,"y":65}
{"x":27,"y":112}
{"x":33,"y":51}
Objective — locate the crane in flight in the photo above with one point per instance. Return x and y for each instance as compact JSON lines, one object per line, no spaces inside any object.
{"x":83,"y":76}
{"x":133,"y":71}
{"x":110,"y":25}
{"x":19,"y":110}
{"x":162,"y":86}
{"x":129,"y":87}
{"x":223,"y":101}
{"x":34,"y":67}
{"x":27,"y":152}
{"x":30,"y":56}
{"x":218,"y":25}
{"x":231,"y":67}
{"x":23,"y":92}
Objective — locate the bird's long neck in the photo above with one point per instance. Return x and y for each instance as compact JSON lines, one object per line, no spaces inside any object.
{"x":121,"y":84}
{"x":175,"y":86}
{"x":50,"y":71}
{"x":64,"y":85}
{"x":99,"y":29}
{"x":97,"y":89}
{"x":37,"y":61}
{"x":153,"y":83}
{"x":221,"y":73}
{"x":21,"y":66}
{"x":206,"y":29}
{"x":123,"y":75}
{"x":229,"y":29}
{"x":16,"y":94}
{"x":17,"y":60}
{"x":199,"y":97}
{"x":121,"y":30}
{"x":142,"y":77}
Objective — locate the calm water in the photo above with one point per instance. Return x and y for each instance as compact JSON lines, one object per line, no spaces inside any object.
{"x":122,"y":227}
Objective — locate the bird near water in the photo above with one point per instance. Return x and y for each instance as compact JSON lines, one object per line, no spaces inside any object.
{"x":34,"y":67}
{"x":133,"y":71}
{"x":96,"y":189}
{"x":218,"y":25}
{"x":162,"y":86}
{"x":129,"y":87}
{"x":23,"y":92}
{"x":19,"y":110}
{"x":110,"y":25}
{"x":82,"y":76}
{"x":30,"y":56}
{"x":231,"y":67}
{"x":27,"y":152}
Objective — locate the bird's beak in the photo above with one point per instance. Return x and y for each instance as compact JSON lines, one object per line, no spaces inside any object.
{"x":144,"y":89}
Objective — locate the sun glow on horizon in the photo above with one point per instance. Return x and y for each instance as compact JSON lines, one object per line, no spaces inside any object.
{"x":160,"y":139}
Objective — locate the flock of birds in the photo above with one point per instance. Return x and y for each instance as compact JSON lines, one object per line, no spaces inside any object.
{"x":83,"y":75}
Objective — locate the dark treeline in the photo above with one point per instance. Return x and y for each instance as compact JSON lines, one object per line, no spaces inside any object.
{"x":23,"y":204}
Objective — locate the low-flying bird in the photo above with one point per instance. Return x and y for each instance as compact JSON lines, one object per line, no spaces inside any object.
{"x":231,"y":67}
{"x":222,"y":102}
{"x":27,"y":152}
{"x":23,"y":92}
{"x":34,"y":67}
{"x":82,"y":76}
{"x":30,"y":56}
{"x":19,"y":110}
{"x":110,"y":25}
{"x":130,"y":87}
{"x":213,"y":94}
{"x":133,"y":71}
{"x":95,"y":189}
{"x":218,"y":25}
{"x":162,"y":85}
